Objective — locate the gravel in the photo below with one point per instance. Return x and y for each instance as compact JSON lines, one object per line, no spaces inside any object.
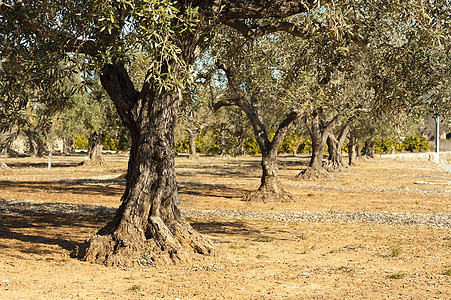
{"x":30,"y":208}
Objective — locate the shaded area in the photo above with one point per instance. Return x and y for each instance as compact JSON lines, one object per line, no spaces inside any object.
{"x":223,"y":229}
{"x":78,"y":186}
{"x":44,"y":164}
{"x":211,"y":190}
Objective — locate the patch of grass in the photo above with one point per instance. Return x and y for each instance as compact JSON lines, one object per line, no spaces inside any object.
{"x":135,"y":288}
{"x":262,"y":256}
{"x":237,"y":247}
{"x":310,"y":195}
{"x":447,"y":272}
{"x":396,"y":250}
{"x":344,"y":269}
{"x":399,"y":275}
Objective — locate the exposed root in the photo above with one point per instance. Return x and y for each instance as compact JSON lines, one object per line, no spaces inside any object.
{"x":159,"y":245}
{"x":314,"y":174}
{"x":331,"y":166}
{"x":268,"y":195}
{"x":100,"y":162}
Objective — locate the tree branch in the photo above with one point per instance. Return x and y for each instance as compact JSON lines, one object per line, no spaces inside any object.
{"x":256,"y":32}
{"x":258,"y":9}
{"x":42,"y":32}
{"x":284,"y":128}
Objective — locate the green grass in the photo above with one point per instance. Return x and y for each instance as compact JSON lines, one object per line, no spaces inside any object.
{"x":399,"y":275}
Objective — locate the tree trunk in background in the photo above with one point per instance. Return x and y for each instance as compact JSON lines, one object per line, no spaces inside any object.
{"x":223,"y":149}
{"x":335,"y":162}
{"x":315,"y":169}
{"x":352,"y":149}
{"x":369,"y":149}
{"x":68,"y":145}
{"x":95,"y":147}
{"x":148,"y":228}
{"x":36,"y":145}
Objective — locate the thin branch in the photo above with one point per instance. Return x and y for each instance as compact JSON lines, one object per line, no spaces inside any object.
{"x":72,"y":44}
{"x":259,"y":31}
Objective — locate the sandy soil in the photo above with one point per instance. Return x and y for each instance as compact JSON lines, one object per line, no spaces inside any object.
{"x":258,"y":259}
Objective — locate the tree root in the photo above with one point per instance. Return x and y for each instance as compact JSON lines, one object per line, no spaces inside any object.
{"x":161,"y":244}
{"x":335,"y":166}
{"x":89,"y":163}
{"x":314,"y":174}
{"x":268,"y":195}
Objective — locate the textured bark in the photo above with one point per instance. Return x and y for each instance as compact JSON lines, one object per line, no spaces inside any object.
{"x":36,"y":145}
{"x":369,"y":149}
{"x":353,"y":148}
{"x":68,"y":145}
{"x":148,"y":227}
{"x":335,"y":162}
{"x":95,"y":147}
{"x":192,"y":133}
{"x":318,"y":134}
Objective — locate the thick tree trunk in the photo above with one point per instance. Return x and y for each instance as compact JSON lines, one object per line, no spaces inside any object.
{"x":192,"y":143}
{"x":315,"y":169}
{"x":353,"y":149}
{"x":95,"y":148}
{"x":270,"y":189}
{"x":369,"y":149}
{"x":148,"y":227}
{"x":335,"y":162}
{"x":68,"y":145}
{"x":36,"y":145}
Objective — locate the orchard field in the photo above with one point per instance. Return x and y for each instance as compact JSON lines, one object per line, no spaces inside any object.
{"x":379,"y":230}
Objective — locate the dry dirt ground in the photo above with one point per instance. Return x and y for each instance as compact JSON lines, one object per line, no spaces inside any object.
{"x":305,"y":249}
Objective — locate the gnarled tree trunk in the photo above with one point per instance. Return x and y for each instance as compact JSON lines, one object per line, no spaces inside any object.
{"x":148,"y":227}
{"x":95,"y":147}
{"x":335,"y":162}
{"x":369,"y":149}
{"x":318,"y":135}
{"x":192,"y":134}
{"x":270,"y":188}
{"x":36,"y":145}
{"x":353,"y":148}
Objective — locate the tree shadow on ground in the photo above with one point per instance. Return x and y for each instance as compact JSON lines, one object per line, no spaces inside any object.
{"x":33,"y":234}
{"x":43,"y":164}
{"x":232,"y":228}
{"x":211,"y":190}
{"x":79,"y":186}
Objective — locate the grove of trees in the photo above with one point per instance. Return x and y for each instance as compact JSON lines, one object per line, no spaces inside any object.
{"x":324,"y":68}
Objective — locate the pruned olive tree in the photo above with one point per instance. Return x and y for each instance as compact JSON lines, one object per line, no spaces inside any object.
{"x":148,"y":226}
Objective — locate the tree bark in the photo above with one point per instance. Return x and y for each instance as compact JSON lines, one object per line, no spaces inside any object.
{"x":369,"y":149}
{"x":193,"y":134}
{"x":68,"y":145}
{"x":335,"y":162}
{"x":148,"y":227}
{"x":36,"y":145}
{"x":319,"y":136}
{"x":95,"y":147}
{"x":353,"y":148}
